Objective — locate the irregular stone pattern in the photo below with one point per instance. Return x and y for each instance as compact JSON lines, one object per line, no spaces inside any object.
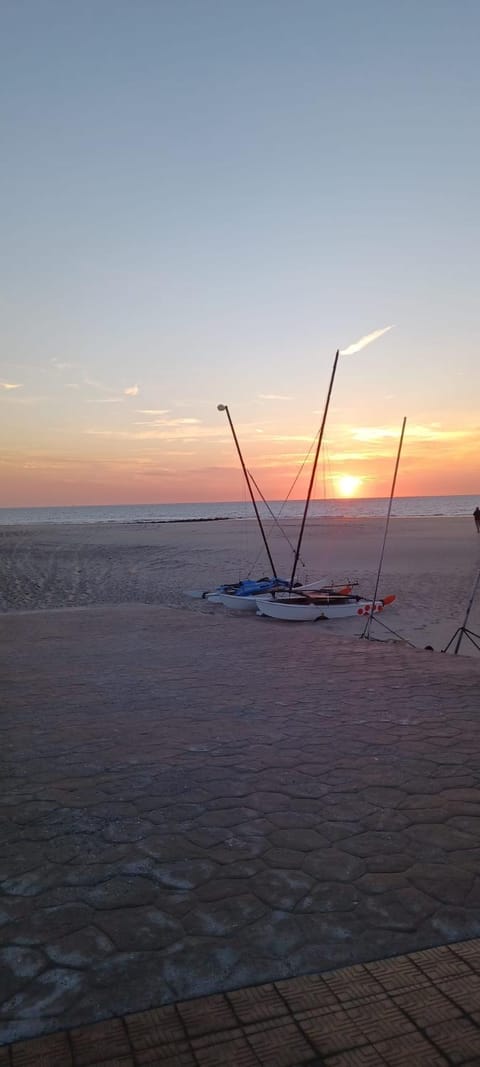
{"x":195,"y":803}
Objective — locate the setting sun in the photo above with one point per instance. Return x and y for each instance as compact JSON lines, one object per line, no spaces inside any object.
{"x":348,"y":484}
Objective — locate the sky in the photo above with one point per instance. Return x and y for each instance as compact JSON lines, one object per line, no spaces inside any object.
{"x":204,"y":199}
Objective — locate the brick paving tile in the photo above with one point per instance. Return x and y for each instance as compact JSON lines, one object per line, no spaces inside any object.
{"x":260,"y":1002}
{"x":331,"y":1033}
{"x":468,"y":950}
{"x":459,"y":1039}
{"x":146,"y":1029}
{"x":464,"y":990}
{"x":426,"y":1006}
{"x":216,"y":1038}
{"x":411,"y":1050}
{"x":380,"y":1021}
{"x":439,"y":963}
{"x":117,"y":1061}
{"x":309,"y":992}
{"x":356,"y":1057}
{"x":51,"y":1051}
{"x":92,"y":1044}
{"x":353,"y":983}
{"x":179,"y":1055}
{"x":279,"y":1044}
{"x":396,"y":974}
{"x":207,"y":1014}
{"x":234,"y":1052}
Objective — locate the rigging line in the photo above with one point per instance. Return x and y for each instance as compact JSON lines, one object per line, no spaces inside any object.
{"x":245,"y":531}
{"x":297,"y":476}
{"x":272,"y":513}
{"x":366,"y":631}
{"x":329,"y":478}
{"x":290,"y":491}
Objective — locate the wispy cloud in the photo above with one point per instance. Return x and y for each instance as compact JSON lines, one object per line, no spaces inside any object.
{"x":107,"y":400}
{"x":183,"y":422}
{"x":169,"y":422}
{"x":28,"y":401}
{"x":114,"y":394}
{"x":273,"y":396}
{"x":152,"y":411}
{"x":373,"y":433}
{"x":348,"y":457}
{"x":151,"y":472}
{"x":364,"y":341}
{"x":286,"y":437}
{"x":59,"y":365}
{"x":94,"y":384}
{"x":10,"y":385}
{"x":433,"y":432}
{"x":174,"y":433}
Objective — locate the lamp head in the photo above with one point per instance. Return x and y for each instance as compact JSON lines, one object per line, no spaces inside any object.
{"x":221,"y":407}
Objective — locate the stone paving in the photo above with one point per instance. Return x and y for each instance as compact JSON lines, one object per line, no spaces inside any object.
{"x":420,"y":1010}
{"x":192,"y":804}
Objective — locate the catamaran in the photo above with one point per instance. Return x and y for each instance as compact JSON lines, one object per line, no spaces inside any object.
{"x":304,"y":607}
{"x":294,"y":605}
{"x":241,"y":595}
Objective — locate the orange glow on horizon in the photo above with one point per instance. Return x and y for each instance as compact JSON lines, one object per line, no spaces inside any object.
{"x":195,"y":462}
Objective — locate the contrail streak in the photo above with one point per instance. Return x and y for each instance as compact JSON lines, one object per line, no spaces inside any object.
{"x":364,"y":341}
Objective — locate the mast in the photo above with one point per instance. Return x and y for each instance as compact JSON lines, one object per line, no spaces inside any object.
{"x":224,"y":407}
{"x":366,"y":632}
{"x":314,"y":470}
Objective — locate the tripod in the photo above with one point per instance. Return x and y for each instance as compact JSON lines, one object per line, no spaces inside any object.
{"x":463,"y":630}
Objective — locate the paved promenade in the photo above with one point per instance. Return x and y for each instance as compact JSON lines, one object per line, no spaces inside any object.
{"x":192,"y":804}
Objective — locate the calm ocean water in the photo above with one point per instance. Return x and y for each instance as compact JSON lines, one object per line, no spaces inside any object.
{"x":403,"y":507}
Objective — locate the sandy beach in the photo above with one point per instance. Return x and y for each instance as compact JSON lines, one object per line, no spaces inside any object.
{"x":430,"y":564}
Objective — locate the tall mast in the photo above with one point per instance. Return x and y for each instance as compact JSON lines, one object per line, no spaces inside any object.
{"x":314,"y":470}
{"x":224,"y":407}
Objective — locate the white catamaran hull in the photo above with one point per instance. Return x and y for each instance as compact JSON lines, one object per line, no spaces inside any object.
{"x":295,"y":612}
{"x":236,"y":603}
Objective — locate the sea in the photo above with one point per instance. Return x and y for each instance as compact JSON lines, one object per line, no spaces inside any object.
{"x":375,"y":507}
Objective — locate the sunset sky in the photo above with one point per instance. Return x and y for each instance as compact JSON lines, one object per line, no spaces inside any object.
{"x":203,"y":200}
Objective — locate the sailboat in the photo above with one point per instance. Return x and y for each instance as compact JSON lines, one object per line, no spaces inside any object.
{"x":241,"y":596}
{"x":296,"y":605}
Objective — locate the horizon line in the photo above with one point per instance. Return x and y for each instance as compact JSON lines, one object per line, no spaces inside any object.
{"x":202,"y":503}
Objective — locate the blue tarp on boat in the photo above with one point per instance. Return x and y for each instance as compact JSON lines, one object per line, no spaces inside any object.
{"x":251,"y":588}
